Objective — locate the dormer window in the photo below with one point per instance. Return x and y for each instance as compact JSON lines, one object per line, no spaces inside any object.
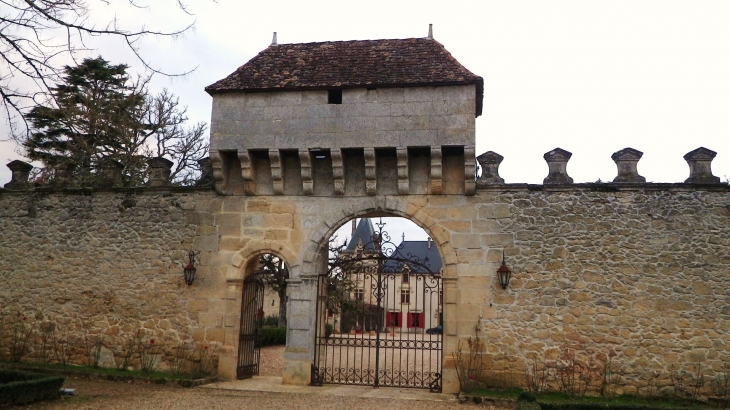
{"x":334,"y":96}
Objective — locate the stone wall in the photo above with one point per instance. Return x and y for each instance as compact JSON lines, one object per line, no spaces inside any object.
{"x":100,"y":264}
{"x":638,"y":275}
{"x":636,"y":272}
{"x":384,"y":117}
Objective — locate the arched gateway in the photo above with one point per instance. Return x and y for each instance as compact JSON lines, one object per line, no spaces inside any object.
{"x":331,"y":142}
{"x":379,"y":312}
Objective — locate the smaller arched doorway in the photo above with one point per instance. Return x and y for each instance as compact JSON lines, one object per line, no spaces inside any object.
{"x":379,"y":312}
{"x":264,"y":274}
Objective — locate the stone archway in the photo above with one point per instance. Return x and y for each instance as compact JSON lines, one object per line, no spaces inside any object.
{"x":312,"y":257}
{"x":376,"y":301}
{"x":412,"y":210}
{"x":241,"y":269}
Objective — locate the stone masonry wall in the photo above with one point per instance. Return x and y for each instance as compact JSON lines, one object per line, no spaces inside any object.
{"x":637,"y":273}
{"x":640,"y":277}
{"x":98,"y":265}
{"x":384,"y":117}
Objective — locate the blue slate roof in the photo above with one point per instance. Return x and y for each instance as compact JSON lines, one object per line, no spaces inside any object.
{"x":417,"y":251}
{"x":425,"y":256}
{"x":363,"y":234}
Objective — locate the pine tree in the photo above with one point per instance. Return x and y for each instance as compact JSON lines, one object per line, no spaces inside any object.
{"x":101,"y":114}
{"x":94,"y":106}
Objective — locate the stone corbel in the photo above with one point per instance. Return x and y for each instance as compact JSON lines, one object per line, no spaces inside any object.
{"x":276,"y":171}
{"x":218,"y":176}
{"x":247,"y":172}
{"x":470,"y":185}
{"x":436,"y":183}
{"x":306,"y":161}
{"x":338,"y":171}
{"x":371,"y":187}
{"x":403,"y":188}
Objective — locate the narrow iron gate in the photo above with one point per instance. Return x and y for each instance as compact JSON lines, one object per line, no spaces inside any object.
{"x":379,"y":316}
{"x":252,"y":304}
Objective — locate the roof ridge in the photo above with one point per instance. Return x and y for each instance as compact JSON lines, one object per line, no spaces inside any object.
{"x":352,"y":41}
{"x":408,"y":62}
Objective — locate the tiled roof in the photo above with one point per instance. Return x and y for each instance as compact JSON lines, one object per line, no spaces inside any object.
{"x":349,"y":64}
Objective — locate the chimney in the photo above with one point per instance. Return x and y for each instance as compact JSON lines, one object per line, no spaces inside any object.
{"x":429,"y":242}
{"x":430,"y":32}
{"x":273,"y":40}
{"x":354,"y":226}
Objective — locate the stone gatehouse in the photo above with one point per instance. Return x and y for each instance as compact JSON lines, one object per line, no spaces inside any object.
{"x":306,"y":137}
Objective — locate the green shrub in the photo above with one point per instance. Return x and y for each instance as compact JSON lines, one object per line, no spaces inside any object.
{"x":328,"y":328}
{"x":22,"y":387}
{"x":269,"y":321}
{"x":272,"y":336}
{"x":527,"y":405}
{"x":526,"y":396}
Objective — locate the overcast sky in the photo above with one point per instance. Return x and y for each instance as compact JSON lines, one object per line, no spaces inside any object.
{"x":591,"y":77}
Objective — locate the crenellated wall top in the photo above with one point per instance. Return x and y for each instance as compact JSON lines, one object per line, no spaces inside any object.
{"x":698,"y":160}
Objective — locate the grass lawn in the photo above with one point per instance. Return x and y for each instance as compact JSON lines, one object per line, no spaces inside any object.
{"x":100,"y":371}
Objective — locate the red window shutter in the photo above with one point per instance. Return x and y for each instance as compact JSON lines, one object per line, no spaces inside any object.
{"x":388,"y":319}
{"x":398,"y":319}
{"x":420,"y":320}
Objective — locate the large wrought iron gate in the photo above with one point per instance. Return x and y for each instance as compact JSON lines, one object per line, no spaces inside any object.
{"x":379,"y":316}
{"x":252,"y":304}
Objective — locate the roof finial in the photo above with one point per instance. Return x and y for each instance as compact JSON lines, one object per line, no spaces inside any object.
{"x":430,"y":32}
{"x":273,"y":41}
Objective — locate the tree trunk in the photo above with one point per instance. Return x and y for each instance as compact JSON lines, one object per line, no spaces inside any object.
{"x":282,"y":309}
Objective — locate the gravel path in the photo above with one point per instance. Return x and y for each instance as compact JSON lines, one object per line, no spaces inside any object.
{"x":272,"y":361}
{"x":104,"y":395}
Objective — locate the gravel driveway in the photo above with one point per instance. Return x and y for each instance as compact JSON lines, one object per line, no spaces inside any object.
{"x":105,"y":395}
{"x":272,"y":361}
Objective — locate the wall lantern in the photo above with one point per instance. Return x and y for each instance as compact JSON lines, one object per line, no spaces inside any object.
{"x":503,"y":274}
{"x":190,"y":269}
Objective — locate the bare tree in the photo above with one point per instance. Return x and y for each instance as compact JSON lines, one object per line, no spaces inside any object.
{"x":39,"y":37}
{"x":169,"y":137}
{"x":276,"y":276}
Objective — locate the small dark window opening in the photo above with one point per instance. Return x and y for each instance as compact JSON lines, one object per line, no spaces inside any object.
{"x":334,"y":97}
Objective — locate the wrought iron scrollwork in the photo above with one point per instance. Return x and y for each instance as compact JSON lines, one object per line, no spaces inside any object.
{"x":384,"y":296}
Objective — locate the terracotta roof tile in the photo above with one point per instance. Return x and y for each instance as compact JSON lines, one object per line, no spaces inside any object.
{"x":349,"y":64}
